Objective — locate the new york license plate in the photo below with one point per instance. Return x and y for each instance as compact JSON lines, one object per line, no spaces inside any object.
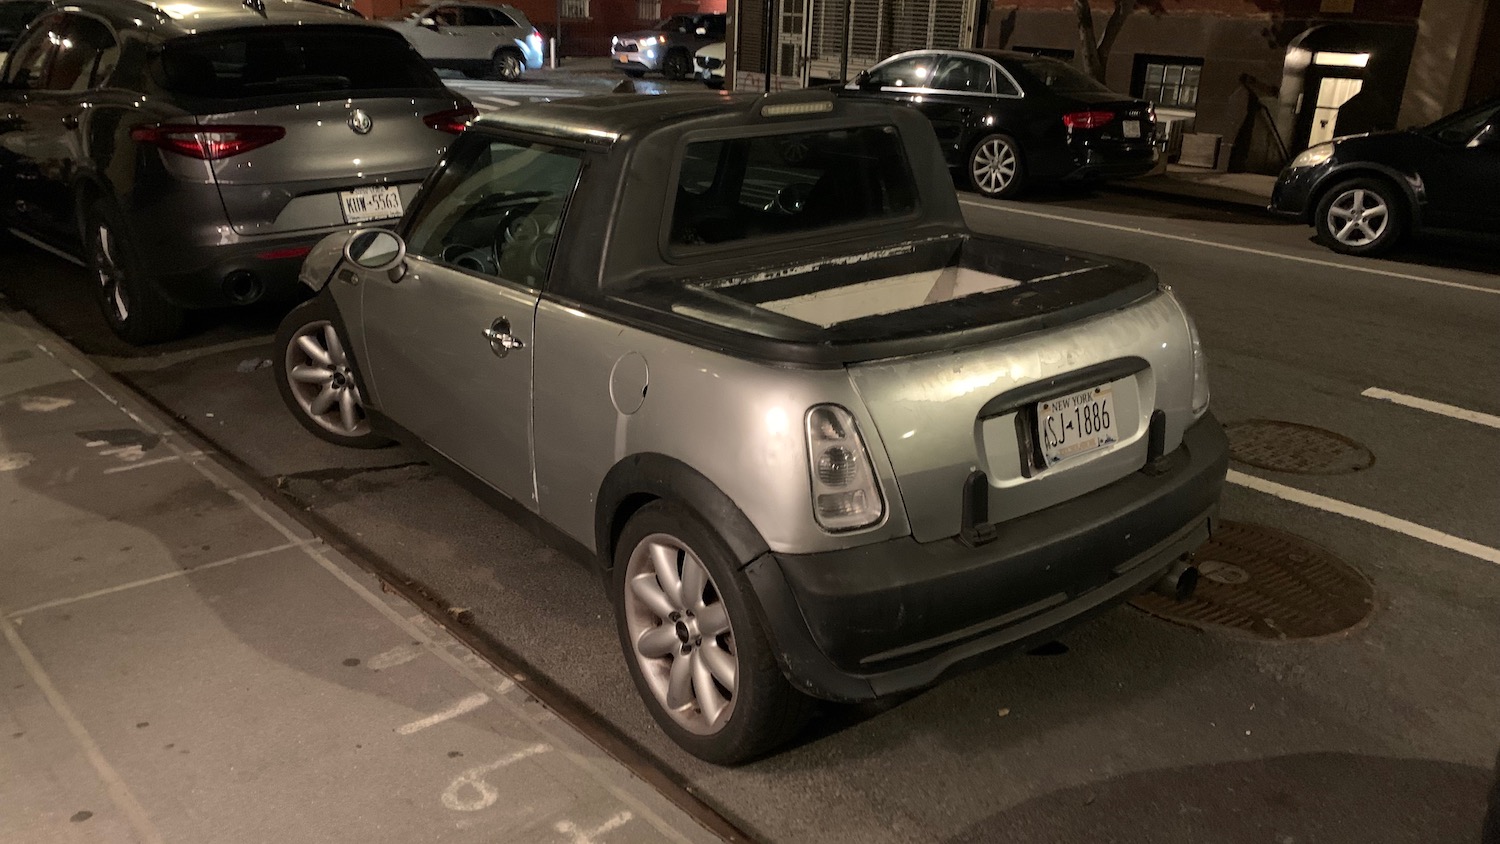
{"x":366,"y":204}
{"x":1075,"y":425}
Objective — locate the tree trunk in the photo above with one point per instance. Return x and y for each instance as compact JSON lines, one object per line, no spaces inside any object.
{"x":1096,"y":49}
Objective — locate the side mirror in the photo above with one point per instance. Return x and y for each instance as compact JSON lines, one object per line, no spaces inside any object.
{"x":377,"y":250}
{"x":862,"y":79}
{"x":428,"y":23}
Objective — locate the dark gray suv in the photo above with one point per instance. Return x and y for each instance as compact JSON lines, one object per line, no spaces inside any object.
{"x":193,"y":154}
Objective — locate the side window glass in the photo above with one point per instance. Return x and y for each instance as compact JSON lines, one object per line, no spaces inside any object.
{"x":28,"y":66}
{"x":497,"y":209}
{"x":963,"y":75}
{"x":475,"y":16}
{"x":446,"y":16}
{"x":85,"y":57}
{"x":502,"y":19}
{"x":914,"y":72}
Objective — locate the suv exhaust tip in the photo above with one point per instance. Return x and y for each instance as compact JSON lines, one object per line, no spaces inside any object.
{"x":1180,"y":581}
{"x":243,"y":287}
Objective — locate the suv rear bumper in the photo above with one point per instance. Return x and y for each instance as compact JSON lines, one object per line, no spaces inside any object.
{"x":898,"y":615}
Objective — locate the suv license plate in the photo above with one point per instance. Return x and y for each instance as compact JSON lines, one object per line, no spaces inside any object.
{"x":1075,"y":425}
{"x":366,"y":204}
{"x":1132,"y":128}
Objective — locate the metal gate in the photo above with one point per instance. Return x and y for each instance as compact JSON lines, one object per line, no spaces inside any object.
{"x":867,"y":31}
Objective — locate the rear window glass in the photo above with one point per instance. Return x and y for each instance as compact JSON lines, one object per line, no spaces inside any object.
{"x":1059,"y":77}
{"x":743,"y":189}
{"x":306,"y":60}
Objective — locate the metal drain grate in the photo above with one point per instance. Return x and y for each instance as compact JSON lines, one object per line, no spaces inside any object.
{"x":1290,"y":447}
{"x":1269,"y":584}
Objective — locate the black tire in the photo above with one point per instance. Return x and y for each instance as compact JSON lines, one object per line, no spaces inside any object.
{"x":1364,"y":217}
{"x":677,"y":65}
{"x":634,"y":73}
{"x":507,"y":66}
{"x":299,"y":395}
{"x":715,"y":82}
{"x":995,"y":167}
{"x":132,"y":305}
{"x":765,"y":711}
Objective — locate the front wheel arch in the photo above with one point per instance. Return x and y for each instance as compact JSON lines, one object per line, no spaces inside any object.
{"x":1412,"y":200}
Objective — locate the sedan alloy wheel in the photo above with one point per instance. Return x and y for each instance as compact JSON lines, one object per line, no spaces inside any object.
{"x":1360,"y":217}
{"x":995,"y":167}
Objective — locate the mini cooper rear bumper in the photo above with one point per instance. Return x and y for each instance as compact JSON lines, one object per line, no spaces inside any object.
{"x":899,"y":615}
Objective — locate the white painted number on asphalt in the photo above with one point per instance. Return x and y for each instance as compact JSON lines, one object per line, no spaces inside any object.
{"x":469,"y":792}
{"x":590,"y":836}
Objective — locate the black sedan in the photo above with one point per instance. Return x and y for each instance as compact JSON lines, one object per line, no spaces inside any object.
{"x":1006,"y":120}
{"x":1364,"y":193}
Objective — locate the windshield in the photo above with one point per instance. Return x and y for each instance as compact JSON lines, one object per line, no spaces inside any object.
{"x":1461,"y":128}
{"x":1059,"y":77}
{"x":310,"y":60}
{"x":748,"y":189}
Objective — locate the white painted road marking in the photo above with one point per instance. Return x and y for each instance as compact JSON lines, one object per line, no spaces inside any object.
{"x":1433,"y":407}
{"x":468,"y":704}
{"x":589,"y":836}
{"x":1366,"y":515}
{"x":486,"y":795}
{"x":399,"y":655}
{"x":114,"y":784}
{"x":1265,"y":253}
{"x":144,"y":463}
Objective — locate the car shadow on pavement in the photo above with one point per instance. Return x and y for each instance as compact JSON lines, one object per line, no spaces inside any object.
{"x":1447,"y":251}
{"x":1290,"y":799}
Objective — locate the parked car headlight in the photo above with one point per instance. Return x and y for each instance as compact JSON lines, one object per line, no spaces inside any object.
{"x":1313,"y":156}
{"x":844,"y":493}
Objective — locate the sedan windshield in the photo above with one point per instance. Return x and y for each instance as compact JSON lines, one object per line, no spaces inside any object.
{"x":1461,"y":128}
{"x":305,"y":60}
{"x":1059,"y":77}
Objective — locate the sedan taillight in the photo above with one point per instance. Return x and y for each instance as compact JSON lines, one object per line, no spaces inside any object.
{"x":1087,"y":119}
{"x":206,"y":143}
{"x":453,"y":120}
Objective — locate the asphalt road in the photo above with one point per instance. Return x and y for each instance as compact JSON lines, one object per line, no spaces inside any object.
{"x":1138,"y":730}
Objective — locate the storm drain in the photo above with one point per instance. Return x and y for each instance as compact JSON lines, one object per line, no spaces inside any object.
{"x":1290,"y":447}
{"x":1262,"y":582}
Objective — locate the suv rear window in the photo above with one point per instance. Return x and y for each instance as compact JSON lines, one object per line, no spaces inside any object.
{"x":771,"y":185}
{"x":281,"y":61}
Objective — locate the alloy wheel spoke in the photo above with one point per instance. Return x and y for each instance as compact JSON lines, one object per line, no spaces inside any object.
{"x":347,"y":409}
{"x":324,"y":401}
{"x":658,"y":642}
{"x":334,"y":346}
{"x":644,"y":588}
{"x":305,"y":374}
{"x":713,"y":620}
{"x":1346,"y":230}
{"x":316,"y":353}
{"x":710,"y":701}
{"x":1342,"y":214}
{"x":694,"y":579}
{"x":720,"y":663}
{"x":664,"y":559}
{"x":680,"y":682}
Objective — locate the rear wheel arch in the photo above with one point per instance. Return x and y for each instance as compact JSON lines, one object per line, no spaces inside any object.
{"x":639,"y":479}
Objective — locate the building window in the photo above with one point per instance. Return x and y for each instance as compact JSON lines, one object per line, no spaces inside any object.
{"x":1168,"y":81}
{"x":575,"y":8}
{"x":1048,"y":52}
{"x":648,"y":10}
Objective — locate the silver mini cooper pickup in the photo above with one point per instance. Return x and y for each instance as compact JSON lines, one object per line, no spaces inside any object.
{"x":745,"y":357}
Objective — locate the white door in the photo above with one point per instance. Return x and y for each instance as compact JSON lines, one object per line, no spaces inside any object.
{"x":1333,"y":92}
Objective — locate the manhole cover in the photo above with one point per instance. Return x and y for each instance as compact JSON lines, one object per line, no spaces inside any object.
{"x":1270,"y":584}
{"x":1289,"y":447}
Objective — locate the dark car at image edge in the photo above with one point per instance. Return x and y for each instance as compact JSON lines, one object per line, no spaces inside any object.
{"x":192,"y":155}
{"x":1365,"y":193}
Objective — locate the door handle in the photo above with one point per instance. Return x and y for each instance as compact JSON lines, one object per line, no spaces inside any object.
{"x":70,"y":121}
{"x":502,"y":342}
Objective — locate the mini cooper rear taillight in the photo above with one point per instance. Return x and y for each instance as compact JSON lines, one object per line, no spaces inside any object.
{"x":453,"y":120}
{"x":206,"y":143}
{"x":845,"y":495}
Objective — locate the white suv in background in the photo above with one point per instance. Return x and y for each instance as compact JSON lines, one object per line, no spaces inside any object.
{"x":479,"y":39}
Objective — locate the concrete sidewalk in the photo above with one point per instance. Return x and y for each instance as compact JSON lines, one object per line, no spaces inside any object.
{"x":185,"y":662}
{"x":1193,"y":183}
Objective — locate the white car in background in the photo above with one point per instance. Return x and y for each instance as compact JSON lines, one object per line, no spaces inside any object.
{"x":479,"y":39}
{"x":709,"y":65}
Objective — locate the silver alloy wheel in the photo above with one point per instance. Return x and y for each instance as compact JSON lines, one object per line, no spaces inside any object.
{"x":318,"y":371}
{"x":1358,"y":217}
{"x":108,"y":269}
{"x":994,"y":166}
{"x":510,"y":67}
{"x":679,"y":629}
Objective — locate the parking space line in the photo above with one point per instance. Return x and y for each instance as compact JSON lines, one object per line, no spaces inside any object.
{"x":130,"y":467}
{"x":1366,"y":515}
{"x":51,"y":250}
{"x":468,"y":704}
{"x":147,"y":581}
{"x":114,"y":784}
{"x":1265,"y":253}
{"x":1430,"y":406}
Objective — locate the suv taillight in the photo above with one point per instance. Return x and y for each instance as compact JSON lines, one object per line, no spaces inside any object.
{"x":453,"y":120}
{"x":1087,"y":119}
{"x":206,"y":143}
